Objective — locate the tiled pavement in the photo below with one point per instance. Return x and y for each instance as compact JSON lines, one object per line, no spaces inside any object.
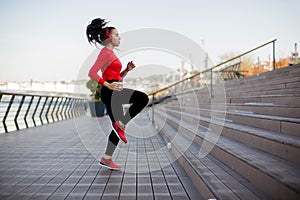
{"x":60,"y":161}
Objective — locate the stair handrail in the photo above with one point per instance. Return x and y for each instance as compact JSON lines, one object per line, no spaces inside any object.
{"x":211,"y":70}
{"x":222,"y":63}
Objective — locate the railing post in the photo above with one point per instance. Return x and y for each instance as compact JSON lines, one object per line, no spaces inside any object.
{"x":34,"y":112}
{"x":73,"y":110}
{"x":48,"y":109}
{"x":70,"y":106}
{"x":211,"y":84}
{"x":76,"y":108}
{"x":43,"y":110}
{"x":52,"y":113}
{"x":81,"y":108}
{"x":27,"y":111}
{"x":63,"y":116}
{"x":7,"y":111}
{"x":153,"y":108}
{"x":274,"y":61}
{"x":18,"y":112}
{"x":66,"y":113}
{"x":59,"y":108}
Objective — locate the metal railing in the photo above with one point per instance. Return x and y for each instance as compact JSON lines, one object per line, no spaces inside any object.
{"x":205,"y":77}
{"x":24,"y":110}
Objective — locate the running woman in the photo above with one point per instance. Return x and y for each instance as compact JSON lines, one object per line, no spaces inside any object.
{"x":112,"y":93}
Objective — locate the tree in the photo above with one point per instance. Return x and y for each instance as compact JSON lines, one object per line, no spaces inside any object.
{"x":94,"y":87}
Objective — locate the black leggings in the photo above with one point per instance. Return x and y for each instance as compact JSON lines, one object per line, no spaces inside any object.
{"x":114,"y":100}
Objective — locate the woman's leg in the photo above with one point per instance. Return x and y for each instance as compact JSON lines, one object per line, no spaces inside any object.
{"x":106,"y":160}
{"x":139,"y":101}
{"x":114,"y":101}
{"x":114,"y":108}
{"x":113,"y":140}
{"x":112,"y":143}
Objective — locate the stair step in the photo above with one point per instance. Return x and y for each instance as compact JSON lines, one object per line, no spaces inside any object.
{"x":292,"y":111}
{"x":241,"y":111}
{"x":265,"y":82}
{"x":267,"y":99}
{"x":288,"y":72}
{"x":284,"y":110}
{"x":217,"y":180}
{"x":263,"y":169}
{"x":263,"y":92}
{"x":284,"y":146}
{"x":285,"y":125}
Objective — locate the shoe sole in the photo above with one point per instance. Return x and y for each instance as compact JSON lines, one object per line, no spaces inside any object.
{"x":108,"y":167}
{"x":116,"y":132}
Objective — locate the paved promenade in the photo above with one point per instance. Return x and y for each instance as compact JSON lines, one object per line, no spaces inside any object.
{"x":60,"y":161}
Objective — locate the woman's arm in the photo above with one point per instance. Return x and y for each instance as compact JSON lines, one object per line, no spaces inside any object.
{"x":130,"y":66}
{"x":124,"y":73}
{"x":98,"y":65}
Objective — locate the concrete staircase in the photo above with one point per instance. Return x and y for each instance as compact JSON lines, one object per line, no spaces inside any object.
{"x":244,"y":143}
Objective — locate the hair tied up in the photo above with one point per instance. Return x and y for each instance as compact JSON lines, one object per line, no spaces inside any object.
{"x":99,"y":23}
{"x":96,"y":31}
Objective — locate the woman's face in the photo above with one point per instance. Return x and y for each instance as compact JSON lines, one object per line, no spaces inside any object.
{"x":115,"y":37}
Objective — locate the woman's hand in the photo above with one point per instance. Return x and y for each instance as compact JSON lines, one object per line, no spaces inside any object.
{"x":114,"y":85}
{"x":130,"y":66}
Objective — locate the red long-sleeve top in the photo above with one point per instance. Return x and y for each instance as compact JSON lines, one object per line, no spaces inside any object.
{"x":109,"y":64}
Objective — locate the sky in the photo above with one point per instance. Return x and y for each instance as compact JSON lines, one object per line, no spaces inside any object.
{"x":45,"y":40}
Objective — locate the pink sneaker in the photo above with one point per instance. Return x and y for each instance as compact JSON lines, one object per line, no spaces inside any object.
{"x":120,"y":131}
{"x":109,"y":164}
